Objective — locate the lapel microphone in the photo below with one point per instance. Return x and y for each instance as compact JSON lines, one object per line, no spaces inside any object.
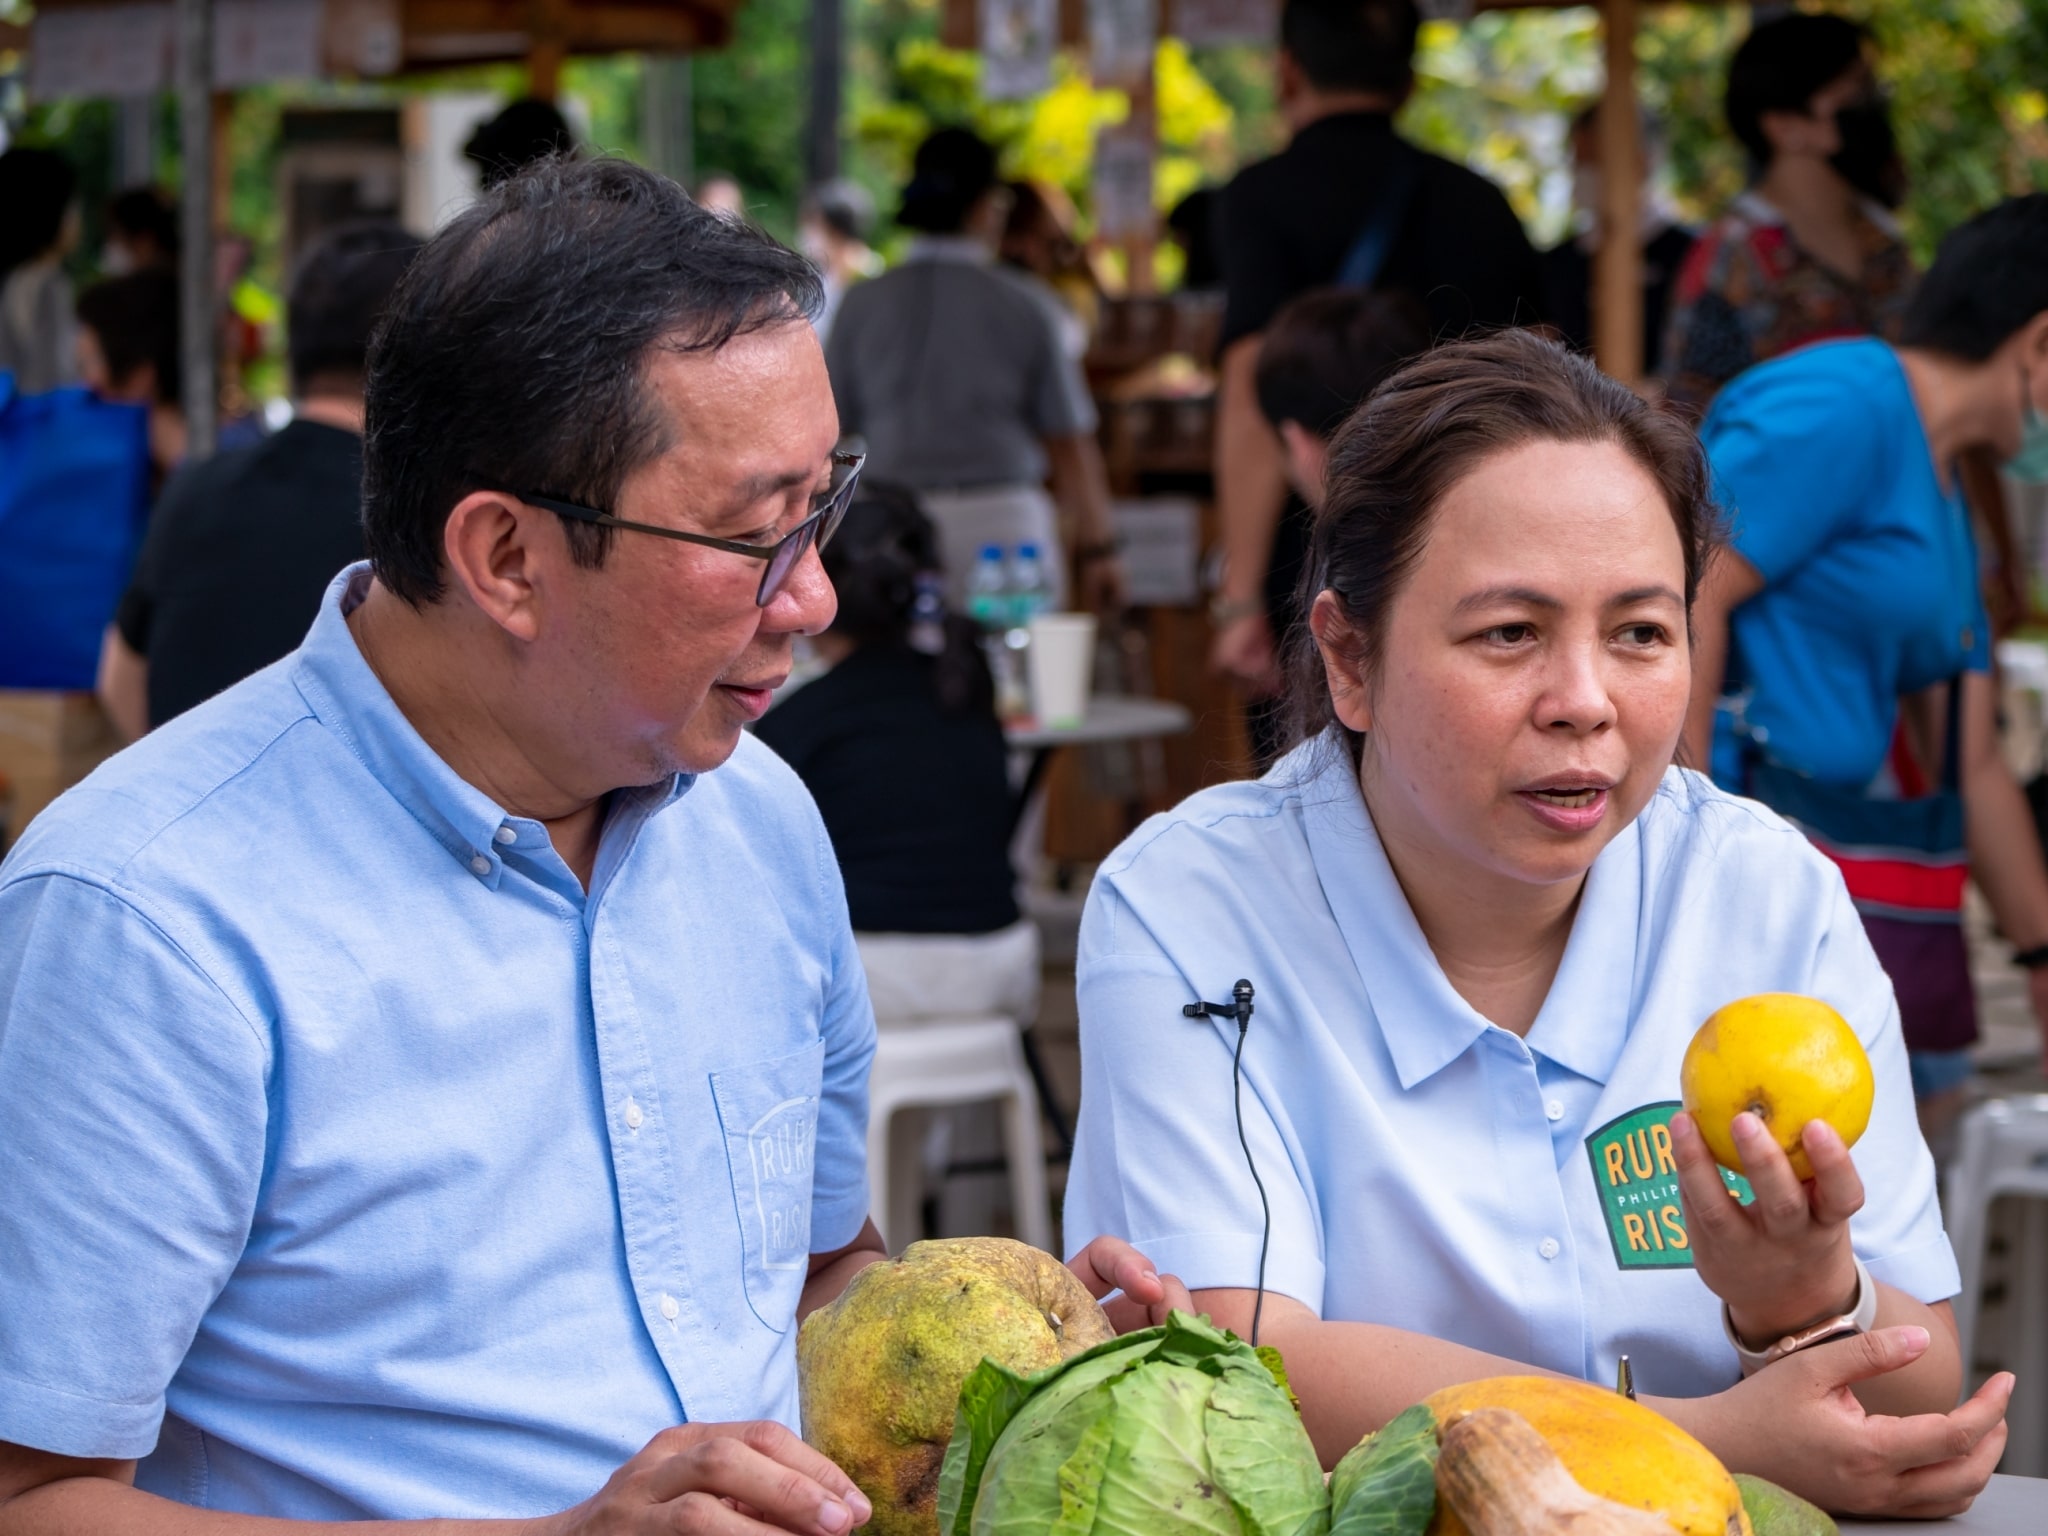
{"x":1239,"y":1008}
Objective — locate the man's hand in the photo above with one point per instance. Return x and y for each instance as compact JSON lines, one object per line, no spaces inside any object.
{"x":720,"y":1480}
{"x":1798,"y":1423}
{"x":1784,"y":1262}
{"x":1243,"y":650}
{"x":1110,"y":1264}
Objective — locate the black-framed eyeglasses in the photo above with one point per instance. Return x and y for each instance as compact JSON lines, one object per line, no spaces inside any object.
{"x":782,"y":556}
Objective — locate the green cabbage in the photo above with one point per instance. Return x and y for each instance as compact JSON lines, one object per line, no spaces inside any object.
{"x":1180,"y":1430}
{"x":1386,"y":1484}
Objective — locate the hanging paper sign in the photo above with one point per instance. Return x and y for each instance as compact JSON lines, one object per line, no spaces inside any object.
{"x":1204,"y":22}
{"x":1016,"y":47}
{"x":258,"y":40}
{"x":101,"y":50}
{"x":1122,"y":184}
{"x":1121,"y":37}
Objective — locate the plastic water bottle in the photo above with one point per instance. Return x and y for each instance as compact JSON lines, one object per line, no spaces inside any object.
{"x":1030,"y":594}
{"x":988,"y":590}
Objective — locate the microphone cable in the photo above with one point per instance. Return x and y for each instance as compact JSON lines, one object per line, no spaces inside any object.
{"x":1240,"y":1010}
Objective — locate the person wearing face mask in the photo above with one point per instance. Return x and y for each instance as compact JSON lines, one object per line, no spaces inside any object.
{"x":1848,"y":600}
{"x":1809,"y":250}
{"x":1483,"y":913}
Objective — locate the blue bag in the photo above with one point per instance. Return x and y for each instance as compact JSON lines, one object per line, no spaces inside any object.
{"x":74,"y":495}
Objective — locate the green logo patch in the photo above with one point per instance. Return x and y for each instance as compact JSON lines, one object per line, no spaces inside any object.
{"x":1637,"y":1178}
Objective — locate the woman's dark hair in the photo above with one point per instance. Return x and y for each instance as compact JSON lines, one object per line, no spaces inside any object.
{"x":1353,"y":45}
{"x":954,"y":168}
{"x":514,"y":350}
{"x":338,"y":294}
{"x":1780,"y":66}
{"x":36,"y":186}
{"x":1327,"y":350}
{"x":883,"y":563}
{"x":144,"y":213}
{"x":1426,"y":428}
{"x":135,"y":321}
{"x":1989,"y":278}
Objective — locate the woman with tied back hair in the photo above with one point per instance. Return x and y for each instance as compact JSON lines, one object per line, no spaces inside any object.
{"x":1483,"y":914}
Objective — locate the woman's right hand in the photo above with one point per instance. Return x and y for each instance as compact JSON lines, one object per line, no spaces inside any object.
{"x":1798,"y":1423}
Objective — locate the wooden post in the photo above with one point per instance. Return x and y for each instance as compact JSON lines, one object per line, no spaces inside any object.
{"x":1139,"y":249}
{"x":200,"y":389}
{"x":548,"y":49}
{"x":828,"y":67}
{"x":1618,"y":263}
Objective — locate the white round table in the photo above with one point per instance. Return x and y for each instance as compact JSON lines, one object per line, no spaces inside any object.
{"x":1110,"y":717}
{"x":2011,"y":1506}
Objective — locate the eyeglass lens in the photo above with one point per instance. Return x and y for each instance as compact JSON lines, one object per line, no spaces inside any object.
{"x":815,"y":529}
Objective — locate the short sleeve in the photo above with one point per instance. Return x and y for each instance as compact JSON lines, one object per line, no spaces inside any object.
{"x":839,"y":1188}
{"x":132,"y":1134}
{"x":1156,"y":1155}
{"x":1791,"y":451}
{"x":1898,"y":1233}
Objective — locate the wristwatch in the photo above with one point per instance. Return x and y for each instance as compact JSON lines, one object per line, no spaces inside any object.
{"x":1860,"y":1318}
{"x":1225,"y":611}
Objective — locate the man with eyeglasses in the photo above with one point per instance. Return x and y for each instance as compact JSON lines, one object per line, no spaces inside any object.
{"x":433,"y":1071}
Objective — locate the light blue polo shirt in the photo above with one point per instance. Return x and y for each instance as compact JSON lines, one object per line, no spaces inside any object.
{"x":1427,"y":1169}
{"x":356,"y":1164}
{"x":1871,"y":585}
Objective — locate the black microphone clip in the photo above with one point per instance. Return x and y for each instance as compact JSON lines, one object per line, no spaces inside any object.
{"x":1238,"y":1008}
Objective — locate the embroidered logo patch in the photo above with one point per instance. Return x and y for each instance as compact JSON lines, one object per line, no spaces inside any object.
{"x":1637,"y":1178}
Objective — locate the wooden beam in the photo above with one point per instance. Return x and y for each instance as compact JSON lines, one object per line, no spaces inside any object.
{"x":1618,"y":262}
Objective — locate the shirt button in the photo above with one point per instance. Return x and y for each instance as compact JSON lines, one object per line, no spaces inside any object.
{"x":633,"y":1115}
{"x":669,"y":1307}
{"x":480,"y":865}
{"x":1554,"y":1109}
{"x":505,"y":837}
{"x":1548,"y":1248}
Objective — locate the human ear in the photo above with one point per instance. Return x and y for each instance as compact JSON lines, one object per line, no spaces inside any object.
{"x":1350,"y":698}
{"x":1307,"y":455}
{"x":488,"y":546}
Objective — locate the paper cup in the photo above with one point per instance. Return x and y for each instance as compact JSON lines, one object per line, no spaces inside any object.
{"x":1062,"y":658}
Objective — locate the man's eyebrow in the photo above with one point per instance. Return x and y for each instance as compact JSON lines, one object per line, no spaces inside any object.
{"x":758,"y":488}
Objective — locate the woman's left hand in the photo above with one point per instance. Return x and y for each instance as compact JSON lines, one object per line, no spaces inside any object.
{"x":1784,"y":1262}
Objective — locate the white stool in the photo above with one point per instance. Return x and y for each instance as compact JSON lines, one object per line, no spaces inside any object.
{"x":934,"y":1064}
{"x":2002,"y":1149}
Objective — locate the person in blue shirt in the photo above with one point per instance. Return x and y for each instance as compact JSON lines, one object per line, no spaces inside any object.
{"x":433,"y":1071}
{"x":1850,"y":590}
{"x":1483,"y":914}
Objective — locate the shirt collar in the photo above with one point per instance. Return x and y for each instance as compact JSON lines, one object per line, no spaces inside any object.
{"x":347,"y":698}
{"x":1425,"y":1023}
{"x":961,"y":248}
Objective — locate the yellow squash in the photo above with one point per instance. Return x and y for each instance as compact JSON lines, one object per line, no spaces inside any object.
{"x":1615,"y":1449}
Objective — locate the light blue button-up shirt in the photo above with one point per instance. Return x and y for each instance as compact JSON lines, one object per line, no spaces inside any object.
{"x":1427,"y":1169}
{"x":354,"y":1162}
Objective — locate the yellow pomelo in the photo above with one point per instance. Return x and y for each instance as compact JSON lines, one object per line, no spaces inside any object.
{"x":1615,"y":1448}
{"x":1788,"y":1060}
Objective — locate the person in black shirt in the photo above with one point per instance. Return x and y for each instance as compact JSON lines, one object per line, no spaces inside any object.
{"x":241,"y":546}
{"x":1347,"y":202}
{"x":899,"y":742}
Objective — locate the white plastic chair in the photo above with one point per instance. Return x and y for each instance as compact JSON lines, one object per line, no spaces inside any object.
{"x":2002,"y":1149}
{"x":938,"y":1063}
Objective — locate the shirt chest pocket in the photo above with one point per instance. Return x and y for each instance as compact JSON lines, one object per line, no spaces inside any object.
{"x":768,"y":1112}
